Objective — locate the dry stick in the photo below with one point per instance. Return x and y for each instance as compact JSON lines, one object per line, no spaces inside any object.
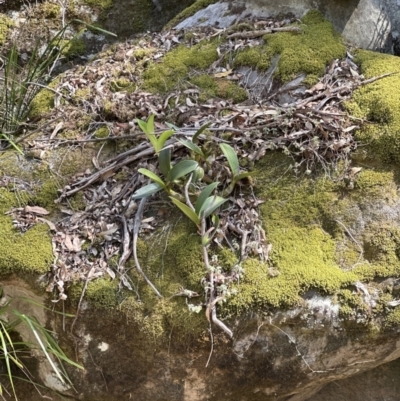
{"x":337,"y":90}
{"x":357,"y":243}
{"x":78,"y":141}
{"x":136,"y":227}
{"x":20,"y":139}
{"x":126,"y":239}
{"x":256,"y":34}
{"x":80,"y":300}
{"x":113,"y":167}
{"x":211,"y":312}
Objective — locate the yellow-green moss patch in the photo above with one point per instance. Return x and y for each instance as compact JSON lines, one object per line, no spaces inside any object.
{"x":306,"y":52}
{"x":176,"y":64}
{"x":28,"y":252}
{"x":379,"y":103}
{"x":5,"y":24}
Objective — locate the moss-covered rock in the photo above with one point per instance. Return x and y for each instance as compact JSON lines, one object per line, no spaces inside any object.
{"x":30,"y":252}
{"x":307,"y":52}
{"x":379,"y":103}
{"x":5,"y":24}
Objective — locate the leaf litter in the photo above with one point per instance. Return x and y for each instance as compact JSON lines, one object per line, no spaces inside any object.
{"x":310,"y":125}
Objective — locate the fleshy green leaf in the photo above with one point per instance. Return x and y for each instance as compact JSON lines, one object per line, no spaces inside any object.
{"x":181,"y":169}
{"x":210,"y":205}
{"x":187,"y":210}
{"x":164,"y":161}
{"x":230,"y":154}
{"x":146,"y":191}
{"x":163,"y":138}
{"x":205,"y":193}
{"x":200,"y":131}
{"x":143,"y":125}
{"x":153,"y":177}
{"x":150,"y":124}
{"x":192,"y":146}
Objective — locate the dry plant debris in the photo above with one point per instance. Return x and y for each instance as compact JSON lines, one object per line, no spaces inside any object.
{"x":312,"y":127}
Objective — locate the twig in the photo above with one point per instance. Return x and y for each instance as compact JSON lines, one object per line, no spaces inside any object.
{"x":262,"y":32}
{"x":356,"y":242}
{"x":80,"y":300}
{"x":78,"y":141}
{"x":136,"y":227}
{"x":212,"y":344}
{"x":126,"y":250}
{"x":187,"y":193}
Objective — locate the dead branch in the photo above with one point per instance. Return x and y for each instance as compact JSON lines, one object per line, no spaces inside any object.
{"x":262,"y":32}
{"x":136,"y":228}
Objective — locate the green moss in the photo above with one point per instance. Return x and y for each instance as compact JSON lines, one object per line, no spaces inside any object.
{"x":376,"y":184}
{"x":189,"y":11}
{"x":306,"y":52}
{"x":46,"y":194}
{"x":393,"y":319}
{"x":103,"y":293}
{"x":102,"y":132}
{"x":218,"y":87}
{"x":103,"y":5}
{"x":77,"y":201}
{"x":43,"y":102}
{"x":29,"y":252}
{"x":230,"y":90}
{"x":350,"y":303}
{"x":50,"y":10}
{"x":73,"y":47}
{"x":379,"y":102}
{"x":122,"y":84}
{"x":140,"y":54}
{"x":176,"y":65}
{"x":258,"y":57}
{"x":5,"y":24}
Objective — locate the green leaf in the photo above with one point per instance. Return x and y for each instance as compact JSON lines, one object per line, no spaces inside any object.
{"x":163,"y":138}
{"x":200,"y":131}
{"x":143,"y":126}
{"x":150,"y":124}
{"x":205,"y":193}
{"x":146,"y":191}
{"x":192,"y":146}
{"x":187,"y":210}
{"x":164,"y":161}
{"x":230,"y":154}
{"x":181,"y":169}
{"x":210,"y":205}
{"x":153,"y":177}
